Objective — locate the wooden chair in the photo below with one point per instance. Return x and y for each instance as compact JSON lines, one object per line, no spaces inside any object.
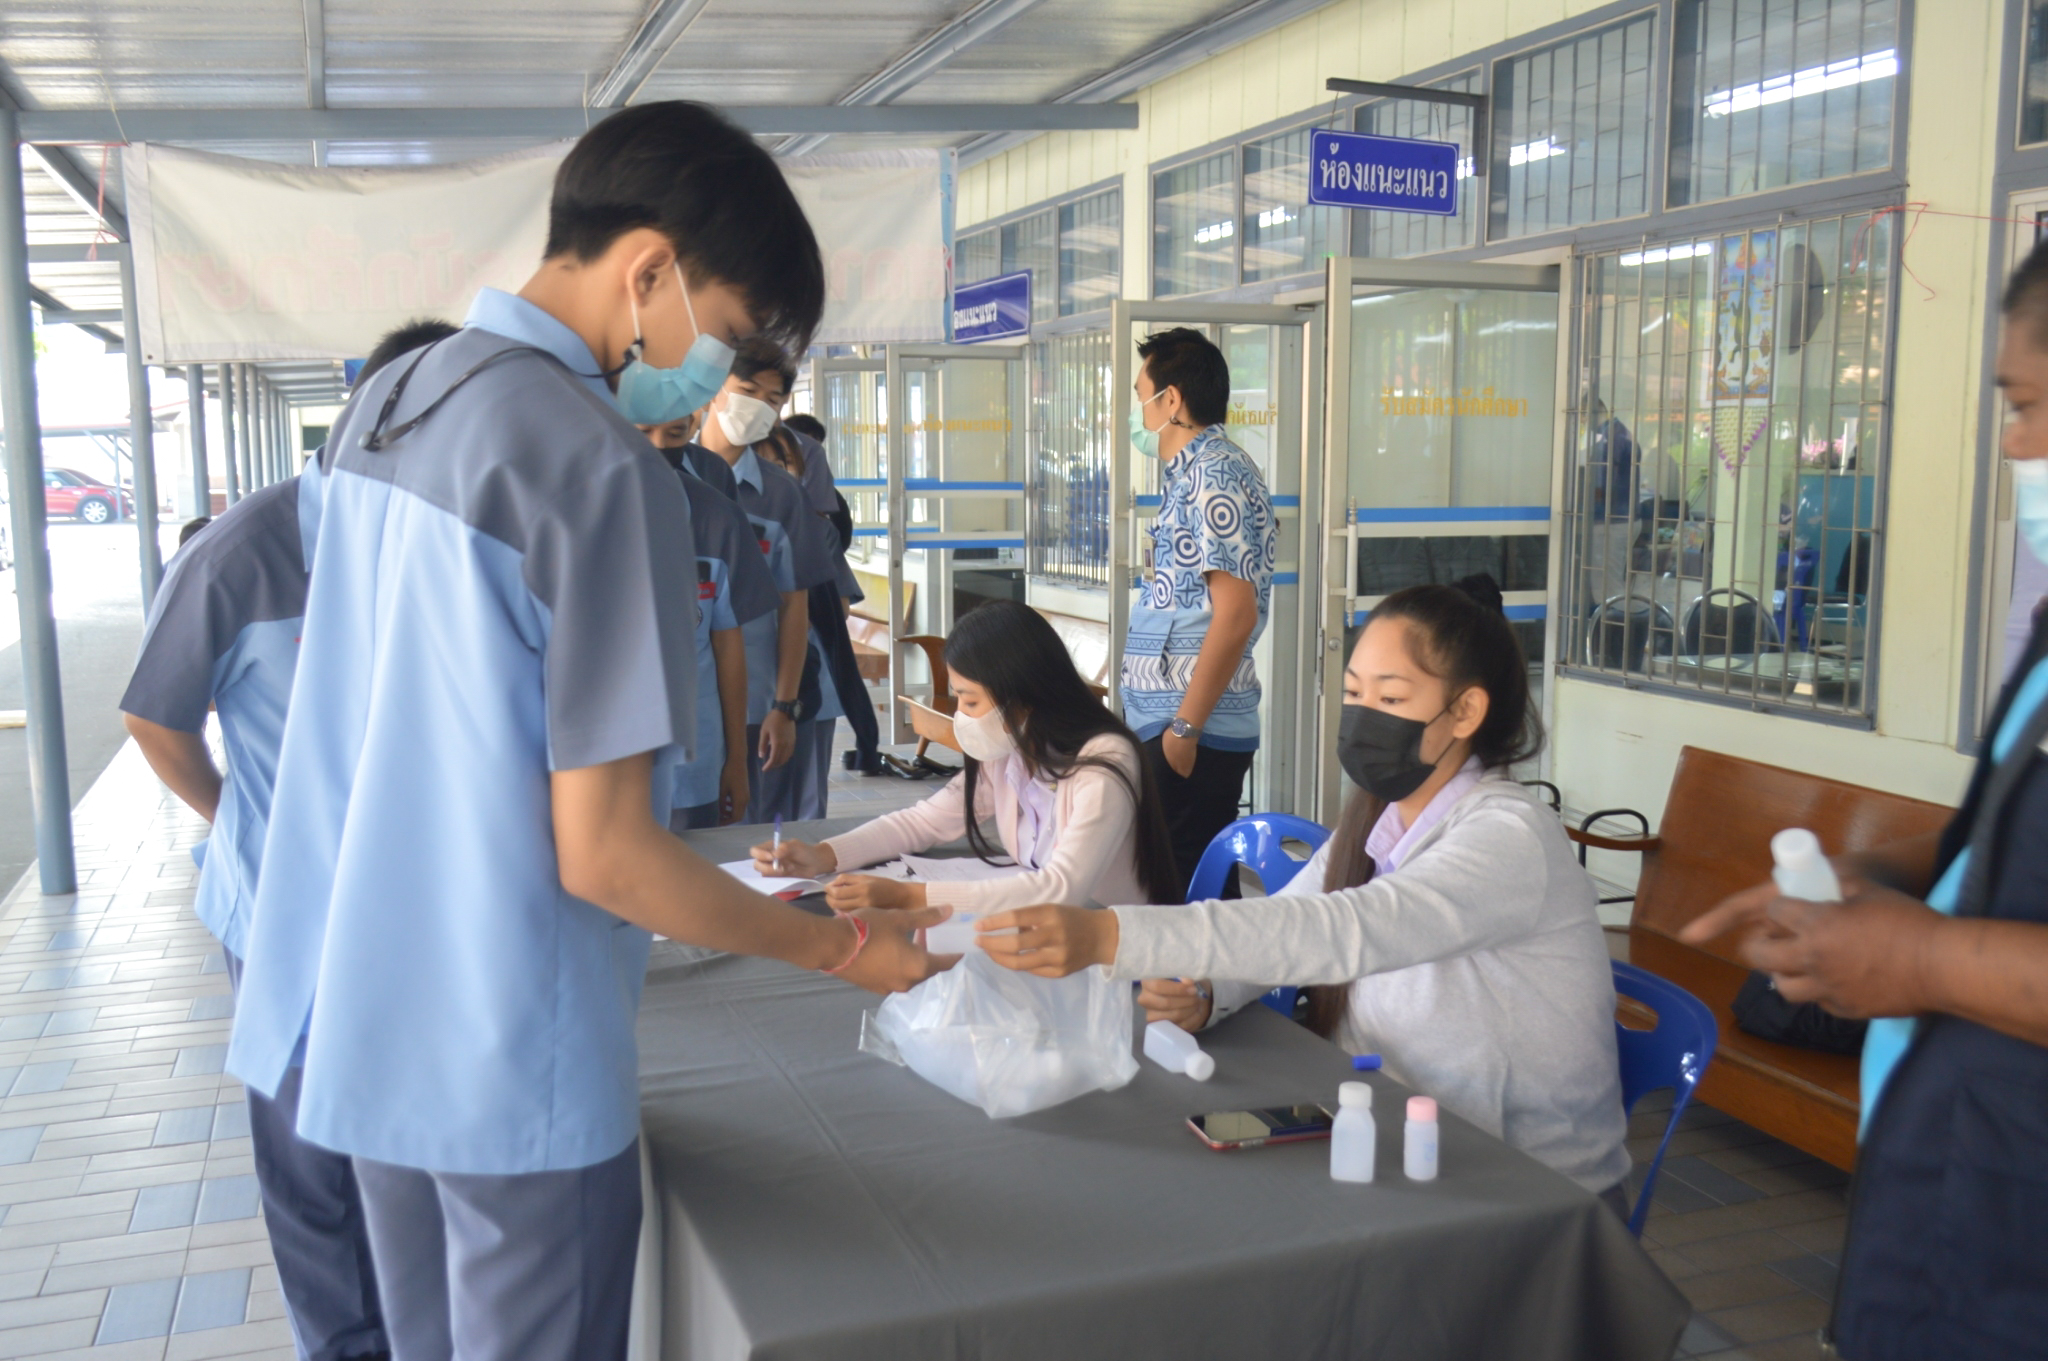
{"x":1715,"y":840}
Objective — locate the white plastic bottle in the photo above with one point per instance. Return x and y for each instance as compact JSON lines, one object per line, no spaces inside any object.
{"x":1173,"y":1049}
{"x":1418,"y":1150}
{"x":1802,"y":869}
{"x":1354,"y":1138}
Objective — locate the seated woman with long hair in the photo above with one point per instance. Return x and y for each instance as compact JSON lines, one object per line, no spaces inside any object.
{"x":1061,"y":777}
{"x":1446,"y":924}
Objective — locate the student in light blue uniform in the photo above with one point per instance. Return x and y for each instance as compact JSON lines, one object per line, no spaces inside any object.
{"x":784,"y":681}
{"x":224,"y":633}
{"x":466,"y":848}
{"x":733,"y":588}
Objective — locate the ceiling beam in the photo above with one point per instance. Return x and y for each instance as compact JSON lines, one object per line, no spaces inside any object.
{"x":644,"y":52}
{"x":96,"y":127}
{"x":82,"y":189}
{"x":1176,"y":54}
{"x":937,"y":48}
{"x":56,"y":313}
{"x":315,"y":12}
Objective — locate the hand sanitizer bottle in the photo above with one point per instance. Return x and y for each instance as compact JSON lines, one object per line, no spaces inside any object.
{"x":1173,"y":1049}
{"x":1418,"y":1154}
{"x":1354,"y":1138}
{"x":1802,"y":871}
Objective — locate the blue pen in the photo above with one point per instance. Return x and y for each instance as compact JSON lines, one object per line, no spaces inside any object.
{"x":1364,"y":1063}
{"x":775,"y":856}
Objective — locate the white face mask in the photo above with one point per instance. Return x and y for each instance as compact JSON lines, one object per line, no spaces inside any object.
{"x":745,"y":420}
{"x":985,"y":738}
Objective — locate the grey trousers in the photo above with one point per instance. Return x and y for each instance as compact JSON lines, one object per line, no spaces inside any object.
{"x":318,"y":1236}
{"x":534,"y":1267}
{"x":794,"y":789}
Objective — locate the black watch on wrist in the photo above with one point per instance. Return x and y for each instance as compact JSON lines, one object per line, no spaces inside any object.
{"x":794,"y":708}
{"x":1180,"y":727}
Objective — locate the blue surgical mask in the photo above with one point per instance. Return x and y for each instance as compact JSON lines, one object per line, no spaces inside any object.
{"x":1143,"y":439}
{"x":2030,"y":503}
{"x":651,"y":396}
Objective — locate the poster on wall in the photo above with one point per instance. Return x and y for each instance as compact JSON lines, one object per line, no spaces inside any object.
{"x":240,"y":260}
{"x":1745,"y":330}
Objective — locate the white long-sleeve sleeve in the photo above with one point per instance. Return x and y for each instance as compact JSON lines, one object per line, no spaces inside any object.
{"x":1093,"y":859}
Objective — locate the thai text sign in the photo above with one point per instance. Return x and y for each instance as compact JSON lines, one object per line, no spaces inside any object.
{"x":994,"y":309}
{"x":1358,"y":170}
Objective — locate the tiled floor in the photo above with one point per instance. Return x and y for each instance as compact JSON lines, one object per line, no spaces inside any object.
{"x":131,"y":1229}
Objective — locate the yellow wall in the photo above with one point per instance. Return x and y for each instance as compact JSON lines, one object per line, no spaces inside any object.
{"x":1615,"y":747}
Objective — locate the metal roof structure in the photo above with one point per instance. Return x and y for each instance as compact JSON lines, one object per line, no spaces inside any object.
{"x":399,"y":82}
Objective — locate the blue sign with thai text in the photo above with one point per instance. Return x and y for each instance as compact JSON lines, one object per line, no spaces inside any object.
{"x":1404,"y":174}
{"x":994,"y":309}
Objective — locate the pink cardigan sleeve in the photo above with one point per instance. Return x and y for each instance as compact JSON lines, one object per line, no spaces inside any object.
{"x":932,"y":822}
{"x":1096,"y":818}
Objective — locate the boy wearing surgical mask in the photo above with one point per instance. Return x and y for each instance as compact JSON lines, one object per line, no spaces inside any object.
{"x":463,"y":861}
{"x":783,"y":694}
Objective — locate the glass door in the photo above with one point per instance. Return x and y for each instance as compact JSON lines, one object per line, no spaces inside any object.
{"x":955,"y":495}
{"x":850,"y":397}
{"x":1274,"y":355}
{"x":1441,"y":426}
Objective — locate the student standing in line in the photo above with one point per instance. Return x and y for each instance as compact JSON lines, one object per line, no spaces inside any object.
{"x":1189,"y":689}
{"x":1943,"y":941}
{"x":224,"y":634}
{"x":1447,"y":920}
{"x":677,"y":442}
{"x":466,"y":805}
{"x":811,"y":770}
{"x":1075,"y":807}
{"x":830,"y":604}
{"x":733,"y":588}
{"x":782,"y":678}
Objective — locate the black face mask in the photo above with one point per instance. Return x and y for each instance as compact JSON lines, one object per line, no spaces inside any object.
{"x":1382,"y":752}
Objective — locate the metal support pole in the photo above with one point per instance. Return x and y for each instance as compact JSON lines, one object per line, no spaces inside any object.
{"x":49,"y":774}
{"x":195,"y":413}
{"x":141,"y":438}
{"x":245,"y":417}
{"x":259,"y":426}
{"x":228,"y":424}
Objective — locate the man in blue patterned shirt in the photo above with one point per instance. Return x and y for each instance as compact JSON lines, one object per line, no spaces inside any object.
{"x":1190,"y":691}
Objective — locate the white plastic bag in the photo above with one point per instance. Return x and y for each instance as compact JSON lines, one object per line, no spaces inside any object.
{"x":1008,"y":1042}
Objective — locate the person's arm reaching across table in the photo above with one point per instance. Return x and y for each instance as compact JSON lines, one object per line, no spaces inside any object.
{"x":612,"y":853}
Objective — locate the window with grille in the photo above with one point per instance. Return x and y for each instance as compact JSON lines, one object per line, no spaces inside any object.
{"x":1571,"y":135}
{"x":1067,"y":511}
{"x":978,"y":256}
{"x":1091,"y":252}
{"x":1393,"y":235}
{"x":1769,"y":94}
{"x":1032,"y":244}
{"x":1283,"y":234}
{"x":2034,"y":82}
{"x":1194,"y":227}
{"x":1729,"y":443}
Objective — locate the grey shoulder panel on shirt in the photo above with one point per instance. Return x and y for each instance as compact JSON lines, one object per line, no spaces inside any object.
{"x":520,"y":450}
{"x":715,"y":471}
{"x":811,"y":547}
{"x":247,"y":567}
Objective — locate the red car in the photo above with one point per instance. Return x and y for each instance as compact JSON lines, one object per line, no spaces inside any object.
{"x":66,"y":492}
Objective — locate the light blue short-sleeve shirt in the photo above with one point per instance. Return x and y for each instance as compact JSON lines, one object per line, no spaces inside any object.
{"x":224,"y":632}
{"x":733,"y":588}
{"x":1214,"y":516}
{"x":485,"y":609}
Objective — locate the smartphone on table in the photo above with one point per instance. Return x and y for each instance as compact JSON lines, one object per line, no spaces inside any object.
{"x":1268,"y":1125}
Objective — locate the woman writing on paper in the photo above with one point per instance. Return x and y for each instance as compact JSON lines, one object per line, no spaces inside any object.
{"x":1060,"y":776}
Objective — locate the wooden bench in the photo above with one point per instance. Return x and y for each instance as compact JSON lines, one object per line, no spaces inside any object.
{"x":1715,"y":840}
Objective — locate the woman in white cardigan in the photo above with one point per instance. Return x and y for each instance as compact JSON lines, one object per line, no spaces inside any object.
{"x":1073,"y":804}
{"x":1446,"y":924}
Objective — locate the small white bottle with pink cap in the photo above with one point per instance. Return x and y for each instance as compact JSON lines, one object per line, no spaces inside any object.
{"x":1418,"y":1151}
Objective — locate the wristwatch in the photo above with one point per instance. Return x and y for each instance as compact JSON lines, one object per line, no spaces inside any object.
{"x":794,"y":708}
{"x":1180,"y":727}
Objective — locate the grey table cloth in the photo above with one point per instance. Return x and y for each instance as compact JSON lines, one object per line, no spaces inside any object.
{"x":810,"y":1202}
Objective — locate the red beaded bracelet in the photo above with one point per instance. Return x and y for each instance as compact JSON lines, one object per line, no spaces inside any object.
{"x":860,"y":931}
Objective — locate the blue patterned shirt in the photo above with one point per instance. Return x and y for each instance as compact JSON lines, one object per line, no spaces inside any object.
{"x":1214,"y":516}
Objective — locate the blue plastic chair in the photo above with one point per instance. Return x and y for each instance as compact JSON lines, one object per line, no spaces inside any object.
{"x":1255,"y":843}
{"x":1673,"y":1055}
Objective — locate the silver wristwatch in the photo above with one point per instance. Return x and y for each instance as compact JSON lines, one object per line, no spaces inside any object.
{"x":1180,"y":727}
